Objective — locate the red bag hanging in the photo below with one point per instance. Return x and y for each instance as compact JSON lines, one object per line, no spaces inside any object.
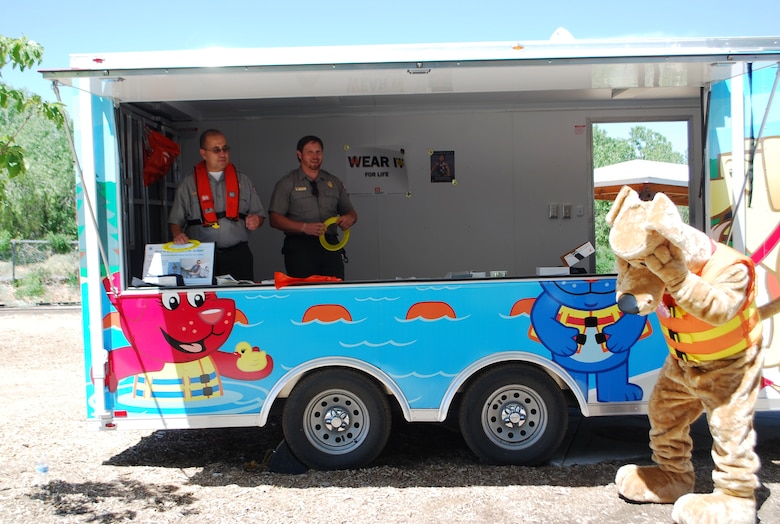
{"x":160,"y":152}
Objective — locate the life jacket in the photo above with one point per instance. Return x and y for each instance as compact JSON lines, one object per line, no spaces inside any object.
{"x":196,"y":380}
{"x":159,"y":154}
{"x":209,"y":216}
{"x":692,"y":339}
{"x":590,"y":323}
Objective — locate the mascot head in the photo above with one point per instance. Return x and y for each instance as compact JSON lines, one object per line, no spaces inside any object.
{"x":641,"y":228}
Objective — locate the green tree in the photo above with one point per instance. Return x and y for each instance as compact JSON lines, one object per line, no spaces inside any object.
{"x":608,"y":150}
{"x":41,"y":200}
{"x":37,"y":186}
{"x":23,"y":54}
{"x":651,"y":145}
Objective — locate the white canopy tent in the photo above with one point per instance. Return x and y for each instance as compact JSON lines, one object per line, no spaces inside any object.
{"x":646,"y":177}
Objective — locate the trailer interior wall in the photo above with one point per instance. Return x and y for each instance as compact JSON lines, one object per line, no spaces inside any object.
{"x":510,"y":164}
{"x":515,"y":114}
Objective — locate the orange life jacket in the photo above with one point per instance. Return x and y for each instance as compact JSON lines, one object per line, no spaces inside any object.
{"x":159,"y":154}
{"x":692,"y":339}
{"x":209,"y":216}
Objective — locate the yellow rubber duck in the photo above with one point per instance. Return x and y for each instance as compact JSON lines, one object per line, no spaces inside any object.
{"x":250,"y":358}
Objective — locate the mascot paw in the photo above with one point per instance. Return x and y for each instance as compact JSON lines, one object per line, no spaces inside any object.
{"x":651,"y":484}
{"x":714,"y":508}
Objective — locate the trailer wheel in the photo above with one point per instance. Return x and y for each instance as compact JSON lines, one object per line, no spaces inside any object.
{"x":336,"y":419}
{"x":514,"y":415}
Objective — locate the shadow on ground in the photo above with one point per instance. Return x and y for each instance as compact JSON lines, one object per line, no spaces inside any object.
{"x":591,"y":454}
{"x":69,"y":498}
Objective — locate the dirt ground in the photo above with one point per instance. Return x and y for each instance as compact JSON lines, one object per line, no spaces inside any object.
{"x":426,"y":474}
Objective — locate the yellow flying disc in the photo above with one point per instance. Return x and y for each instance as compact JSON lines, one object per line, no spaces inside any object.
{"x":172,"y":246}
{"x":333,"y":247}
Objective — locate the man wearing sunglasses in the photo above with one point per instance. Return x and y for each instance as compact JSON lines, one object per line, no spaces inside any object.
{"x":218,"y":204}
{"x":301,"y":202}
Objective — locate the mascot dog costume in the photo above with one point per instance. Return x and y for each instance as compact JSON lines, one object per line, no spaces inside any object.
{"x":705,"y":296}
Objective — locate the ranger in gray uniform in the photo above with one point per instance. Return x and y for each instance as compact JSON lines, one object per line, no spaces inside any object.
{"x":301,"y":201}
{"x":218,"y":204}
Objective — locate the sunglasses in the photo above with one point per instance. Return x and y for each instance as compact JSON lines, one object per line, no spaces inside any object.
{"x":217,"y":150}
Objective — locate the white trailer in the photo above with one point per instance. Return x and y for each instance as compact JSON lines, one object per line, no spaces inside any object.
{"x":442,"y":316}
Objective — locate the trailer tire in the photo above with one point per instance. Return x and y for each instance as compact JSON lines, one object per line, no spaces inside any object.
{"x":336,"y":419}
{"x":513,"y":415}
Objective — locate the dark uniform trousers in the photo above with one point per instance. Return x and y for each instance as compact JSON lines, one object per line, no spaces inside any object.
{"x":304,"y":256}
{"x":236,"y":261}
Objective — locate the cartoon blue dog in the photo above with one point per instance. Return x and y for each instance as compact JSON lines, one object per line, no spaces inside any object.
{"x":580,"y":323}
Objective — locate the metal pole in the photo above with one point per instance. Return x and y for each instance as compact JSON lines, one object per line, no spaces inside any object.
{"x":13,"y":261}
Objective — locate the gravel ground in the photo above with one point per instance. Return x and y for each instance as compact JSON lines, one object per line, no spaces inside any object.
{"x":427,"y":474}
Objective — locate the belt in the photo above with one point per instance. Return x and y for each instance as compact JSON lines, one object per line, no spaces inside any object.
{"x":221,"y":214}
{"x":231,"y":248}
{"x":333,"y":239}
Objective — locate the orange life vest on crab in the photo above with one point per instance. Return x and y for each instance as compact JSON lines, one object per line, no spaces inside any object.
{"x":209,"y":216}
{"x":690,"y":338}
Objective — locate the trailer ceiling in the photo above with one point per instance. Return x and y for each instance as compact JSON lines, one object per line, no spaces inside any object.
{"x":283,"y":82}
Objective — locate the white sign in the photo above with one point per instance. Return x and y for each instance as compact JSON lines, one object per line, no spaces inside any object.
{"x":194,"y":261}
{"x":578,"y":253}
{"x":376,"y":171}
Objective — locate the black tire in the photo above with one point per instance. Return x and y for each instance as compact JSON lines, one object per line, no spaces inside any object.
{"x":336,"y":419}
{"x":513,"y":415}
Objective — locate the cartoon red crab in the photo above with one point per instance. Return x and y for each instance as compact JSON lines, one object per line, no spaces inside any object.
{"x":175,"y":338}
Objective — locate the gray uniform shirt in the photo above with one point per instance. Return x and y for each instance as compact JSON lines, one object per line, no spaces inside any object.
{"x":186,"y":206}
{"x":293,"y":197}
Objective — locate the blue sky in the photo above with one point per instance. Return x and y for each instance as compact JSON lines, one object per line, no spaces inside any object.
{"x":99,"y":26}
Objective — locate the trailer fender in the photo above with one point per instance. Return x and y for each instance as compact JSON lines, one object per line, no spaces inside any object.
{"x":551,"y":368}
{"x":286,"y":383}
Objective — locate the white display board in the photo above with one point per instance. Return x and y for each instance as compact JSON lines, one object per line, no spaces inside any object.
{"x":194,"y":261}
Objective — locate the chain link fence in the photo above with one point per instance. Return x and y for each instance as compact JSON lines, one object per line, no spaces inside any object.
{"x":35,"y":272}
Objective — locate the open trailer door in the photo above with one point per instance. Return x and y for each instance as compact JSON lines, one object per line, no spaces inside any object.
{"x":743,"y":165}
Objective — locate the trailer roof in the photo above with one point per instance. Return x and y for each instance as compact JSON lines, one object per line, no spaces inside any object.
{"x":201,"y":83}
